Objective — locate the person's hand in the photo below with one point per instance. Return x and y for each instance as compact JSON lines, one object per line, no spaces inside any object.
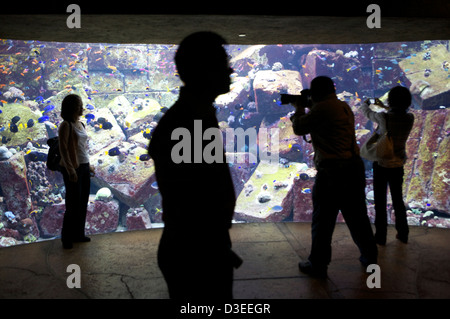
{"x":92,"y":170}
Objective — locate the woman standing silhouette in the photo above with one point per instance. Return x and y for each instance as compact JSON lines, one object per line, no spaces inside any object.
{"x":75,"y":169}
{"x":398,"y":122}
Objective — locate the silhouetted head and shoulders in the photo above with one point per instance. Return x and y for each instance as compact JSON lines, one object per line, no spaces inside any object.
{"x":399,"y":100}
{"x":203,"y":67}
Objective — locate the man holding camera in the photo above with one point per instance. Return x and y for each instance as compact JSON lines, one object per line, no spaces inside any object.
{"x":340,"y":179}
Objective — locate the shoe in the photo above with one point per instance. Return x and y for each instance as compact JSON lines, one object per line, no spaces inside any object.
{"x":83,"y":239}
{"x":67,"y":244}
{"x":403,"y":239}
{"x":365,"y":262}
{"x":307,"y":268}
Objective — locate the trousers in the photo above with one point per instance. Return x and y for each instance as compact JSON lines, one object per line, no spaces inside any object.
{"x":77,"y":198}
{"x":340,"y":186}
{"x":382,"y":178}
{"x":196,"y":267}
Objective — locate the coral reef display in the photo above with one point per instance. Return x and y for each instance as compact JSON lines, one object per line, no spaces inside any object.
{"x":126,"y":88}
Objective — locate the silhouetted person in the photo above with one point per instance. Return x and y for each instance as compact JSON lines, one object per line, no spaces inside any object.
{"x":340,"y":179}
{"x":398,"y":122}
{"x":75,"y":169}
{"x":198,"y":199}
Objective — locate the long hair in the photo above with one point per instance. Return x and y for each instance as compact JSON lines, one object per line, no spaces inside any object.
{"x":69,"y":107}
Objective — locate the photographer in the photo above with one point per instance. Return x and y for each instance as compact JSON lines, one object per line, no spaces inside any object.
{"x":398,"y":122}
{"x":340,"y":179}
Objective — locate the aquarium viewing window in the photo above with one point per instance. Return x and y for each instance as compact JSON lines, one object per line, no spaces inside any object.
{"x":127,"y":87}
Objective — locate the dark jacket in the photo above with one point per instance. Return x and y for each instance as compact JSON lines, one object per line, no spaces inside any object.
{"x":198,"y":197}
{"x":331,"y":124}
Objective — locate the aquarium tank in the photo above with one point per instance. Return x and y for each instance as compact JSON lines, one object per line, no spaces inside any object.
{"x":126,"y":88}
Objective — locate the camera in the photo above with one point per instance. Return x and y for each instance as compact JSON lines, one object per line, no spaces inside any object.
{"x":302,"y":100}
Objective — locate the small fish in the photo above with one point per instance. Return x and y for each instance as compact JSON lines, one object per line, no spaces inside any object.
{"x":304,"y":176}
{"x":42,"y":119}
{"x":107,"y":126}
{"x":37,"y":79}
{"x":49,"y":108}
{"x":306,"y":191}
{"x":296,"y":147}
{"x":15,"y":119}
{"x":154,"y":184}
{"x":112,"y":68}
{"x":89,"y":117}
{"x":144,"y":157}
{"x":90,"y":107}
{"x":277,"y":208}
{"x":353,"y":67}
{"x":10,"y":215}
{"x":30,"y":123}
{"x":114,"y":151}
{"x":13,"y":128}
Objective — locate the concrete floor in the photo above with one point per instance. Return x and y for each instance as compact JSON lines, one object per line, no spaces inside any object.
{"x":123,"y":266}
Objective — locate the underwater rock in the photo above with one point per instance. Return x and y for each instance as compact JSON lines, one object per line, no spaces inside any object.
{"x":102,"y":217}
{"x":130,"y":180}
{"x":240,"y":172}
{"x":267,"y":86}
{"x":8,"y":242}
{"x":345,"y":71}
{"x":250,"y":208}
{"x":428,"y":183}
{"x":430,"y":89}
{"x":102,"y":138}
{"x":138,"y":218}
{"x":301,"y":201}
{"x":264,"y":197}
{"x":4,"y":153}
{"x":14,"y":186}
{"x":8,"y":232}
{"x":140,"y":114}
{"x":14,"y":93}
{"x":51,"y":220}
{"x":44,"y":184}
{"x":244,"y":62}
{"x":291,"y":147}
{"x":28,"y":227}
{"x":104,"y":194}
{"x":15,"y":119}
{"x":238,"y":95}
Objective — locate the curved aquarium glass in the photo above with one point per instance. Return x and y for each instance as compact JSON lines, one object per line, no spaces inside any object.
{"x":126,"y":88}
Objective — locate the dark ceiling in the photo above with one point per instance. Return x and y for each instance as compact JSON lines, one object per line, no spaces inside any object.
{"x":263,"y":22}
{"x":389,"y":8}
